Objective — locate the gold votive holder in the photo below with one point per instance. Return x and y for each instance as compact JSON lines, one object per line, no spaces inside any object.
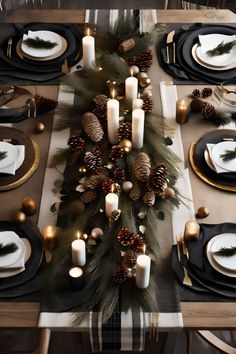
{"x":182,"y":111}
{"x":191,"y":231}
{"x":50,"y":233}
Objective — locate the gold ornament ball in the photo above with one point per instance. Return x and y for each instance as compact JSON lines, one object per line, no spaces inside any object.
{"x":147,"y":93}
{"x":29,"y":205}
{"x":127,"y":186}
{"x":134,"y":70}
{"x":82,"y":170}
{"x":76,"y":207}
{"x":126,"y":145}
{"x":98,"y":69}
{"x":191,"y":231}
{"x":18,"y":218}
{"x":168,"y":193}
{"x":203,"y":212}
{"x":141,"y":75}
{"x":39,"y":128}
{"x":144,"y":82}
{"x":96,"y":233}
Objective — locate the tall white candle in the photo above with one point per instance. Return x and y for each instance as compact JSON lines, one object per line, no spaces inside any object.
{"x":143,"y":266}
{"x":78,"y":252}
{"x":137,"y":128}
{"x":137,"y":103}
{"x":113,"y":108}
{"x":131,"y":88}
{"x":111,"y":203}
{"x":88,"y":45}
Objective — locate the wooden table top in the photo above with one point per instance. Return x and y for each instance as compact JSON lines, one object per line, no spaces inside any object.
{"x":196,"y":315}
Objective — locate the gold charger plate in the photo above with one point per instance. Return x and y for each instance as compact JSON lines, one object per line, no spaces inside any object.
{"x":31,"y":161}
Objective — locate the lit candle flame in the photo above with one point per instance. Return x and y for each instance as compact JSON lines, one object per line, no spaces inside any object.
{"x":88,"y":32}
{"x":112,"y":188}
{"x":78,"y":234}
{"x":144,"y":249}
{"x":138,"y":95}
{"x":113,"y":93}
{"x":131,"y":72}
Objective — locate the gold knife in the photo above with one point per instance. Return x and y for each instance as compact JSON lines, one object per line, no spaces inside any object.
{"x":169,"y":40}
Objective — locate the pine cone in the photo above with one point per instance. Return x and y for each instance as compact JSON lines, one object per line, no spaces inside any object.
{"x":124,"y":131}
{"x":109,"y":186}
{"x":138,"y":243}
{"x":120,"y":274}
{"x":197,"y":105}
{"x":93,"y":182}
{"x":196,"y":93}
{"x":88,"y":196}
{"x":149,"y":198}
{"x":119,"y":174}
{"x":76,"y":144}
{"x":115,"y":215}
{"x":130,"y":258}
{"x":142,"y":167}
{"x":44,"y":104}
{"x":147,"y":104}
{"x":101,"y":100}
{"x":158,"y":178}
{"x":206,"y":92}
{"x":116,"y":152}
{"x":100,"y":109}
{"x":125,"y":237}
{"x":92,"y":127}
{"x":135,"y":193}
{"x":143,"y":61}
{"x":208,"y":111}
{"x":93,"y":162}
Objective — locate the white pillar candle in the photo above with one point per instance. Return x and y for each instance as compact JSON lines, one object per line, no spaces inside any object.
{"x":131,"y":89}
{"x":143,"y":266}
{"x":137,"y":128}
{"x":88,"y":45}
{"x":78,"y":252}
{"x":137,"y":103}
{"x":113,"y":108}
{"x":111,"y":203}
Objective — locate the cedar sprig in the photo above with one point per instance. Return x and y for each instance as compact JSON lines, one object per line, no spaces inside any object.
{"x":222,"y":48}
{"x":7,"y":249}
{"x":226,"y":252}
{"x":3,"y":155}
{"x":228,"y":155}
{"x":39,"y":43}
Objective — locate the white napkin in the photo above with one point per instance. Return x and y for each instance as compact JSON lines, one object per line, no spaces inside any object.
{"x":11,"y":169}
{"x":218,"y":169}
{"x":19,"y":263}
{"x":210,"y":41}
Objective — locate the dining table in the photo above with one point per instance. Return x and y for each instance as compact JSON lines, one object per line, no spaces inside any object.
{"x":197,"y":311}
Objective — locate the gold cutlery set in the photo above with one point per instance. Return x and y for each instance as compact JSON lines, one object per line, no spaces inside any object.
{"x":182,"y":248}
{"x":153,"y":319}
{"x":9,"y":46}
{"x":170,"y":43}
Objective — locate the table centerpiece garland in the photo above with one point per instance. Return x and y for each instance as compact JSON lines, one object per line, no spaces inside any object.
{"x":144,"y":179}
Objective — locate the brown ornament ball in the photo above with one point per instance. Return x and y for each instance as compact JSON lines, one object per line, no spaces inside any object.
{"x":141,"y":75}
{"x":82,"y":170}
{"x":29,"y":205}
{"x":39,"y":128}
{"x":203,"y":212}
{"x":144,"y":82}
{"x":126,"y":145}
{"x":168,"y":193}
{"x":134,"y":70}
{"x":147,"y":93}
{"x":97,"y":233}
{"x":18,"y":218}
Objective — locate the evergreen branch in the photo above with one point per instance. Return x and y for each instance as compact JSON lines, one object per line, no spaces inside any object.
{"x":228,"y":155}
{"x":226,"y":252}
{"x":7,"y":249}
{"x":3,"y":155}
{"x":222,"y":48}
{"x":39,"y":43}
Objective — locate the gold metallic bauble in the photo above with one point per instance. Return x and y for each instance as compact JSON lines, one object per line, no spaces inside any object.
{"x":168,"y":193}
{"x":144,"y":82}
{"x":191,"y":231}
{"x":203,"y":212}
{"x":50,"y":234}
{"x":18,"y":218}
{"x":147,"y":93}
{"x":127,"y":186}
{"x":134,"y":70}
{"x":96,"y":233}
{"x":82,"y":170}
{"x":39,"y":128}
{"x":98,"y":69}
{"x":141,"y":75}
{"x":126,"y":145}
{"x":29,"y":205}
{"x":76,"y":207}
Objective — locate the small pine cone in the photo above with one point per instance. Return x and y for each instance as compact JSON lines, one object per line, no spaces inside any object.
{"x":149,"y":198}
{"x":124,"y":131}
{"x":138,"y":243}
{"x":206,"y":92}
{"x":119,"y":174}
{"x":208,"y":111}
{"x":92,"y":127}
{"x":130,"y":258}
{"x":44,"y":104}
{"x":135,"y":193}
{"x":147,"y":104}
{"x":143,"y":61}
{"x":109,"y":186}
{"x":88,"y":197}
{"x":76,"y":144}
{"x":120,"y":274}
{"x":142,"y":167}
{"x":158,"y":178}
{"x":101,"y":100}
{"x":93,"y":162}
{"x":100,"y":109}
{"x":197,"y":105}
{"x":116,"y":152}
{"x":115,"y":215}
{"x":125,"y":237}
{"x":196,"y":93}
{"x":93,"y":182}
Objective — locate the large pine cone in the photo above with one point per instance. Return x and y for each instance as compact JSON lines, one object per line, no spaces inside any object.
{"x":100,"y":109}
{"x":149,"y":198}
{"x":208,"y":111}
{"x":124,"y":131}
{"x":197,"y":105}
{"x":135,"y":193}
{"x":109,"y":186}
{"x":93,"y":182}
{"x":93,"y":162}
{"x":120,"y":274}
{"x":116,"y":152}
{"x":125,"y":237}
{"x":158,"y":179}
{"x":119,"y":174}
{"x":130,"y":258}
{"x":76,"y":144}
{"x":44,"y":104}
{"x":92,"y":127}
{"x":88,"y":196}
{"x":138,"y":243}
{"x":143,"y":61}
{"x":142,"y":167}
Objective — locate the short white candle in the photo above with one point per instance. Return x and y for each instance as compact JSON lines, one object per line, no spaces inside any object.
{"x":137,"y":103}
{"x":131,"y":88}
{"x":88,"y":45}
{"x":137,"y":128}
{"x":78,"y":252}
{"x":113,"y":108}
{"x":143,"y":266}
{"x":111,"y":203}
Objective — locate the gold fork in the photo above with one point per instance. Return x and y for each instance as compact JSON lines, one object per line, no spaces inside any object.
{"x":153,"y":326}
{"x":187,"y":280}
{"x":64,"y":67}
{"x":9,"y":45}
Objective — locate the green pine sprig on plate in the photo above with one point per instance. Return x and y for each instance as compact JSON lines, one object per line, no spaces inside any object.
{"x":3,"y":155}
{"x":226,"y":252}
{"x":7,"y":249}
{"x":222,"y":48}
{"x":39,"y":43}
{"x":228,"y":155}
